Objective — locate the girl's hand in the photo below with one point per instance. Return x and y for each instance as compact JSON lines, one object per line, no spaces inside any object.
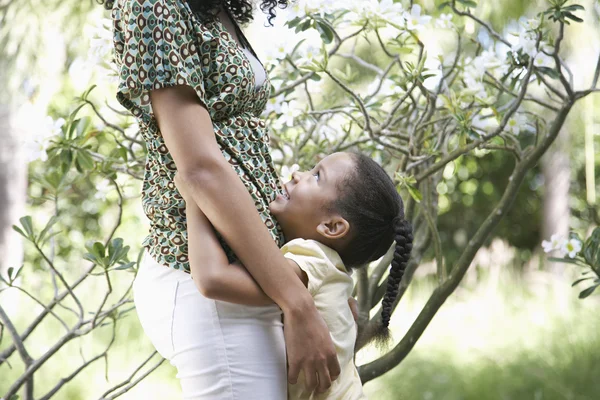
{"x":354,"y":308}
{"x":182,"y":187}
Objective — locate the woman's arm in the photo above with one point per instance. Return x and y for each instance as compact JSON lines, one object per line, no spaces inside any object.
{"x":188,"y":133}
{"x":212,"y":273}
{"x":214,"y":277}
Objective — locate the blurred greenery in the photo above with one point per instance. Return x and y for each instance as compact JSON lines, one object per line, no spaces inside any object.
{"x":508,"y":336}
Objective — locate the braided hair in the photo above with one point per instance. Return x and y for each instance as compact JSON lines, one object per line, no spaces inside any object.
{"x":369,"y":201}
{"x":241,"y":10}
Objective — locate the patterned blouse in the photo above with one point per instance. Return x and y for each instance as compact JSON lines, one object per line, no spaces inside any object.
{"x":161,"y":43}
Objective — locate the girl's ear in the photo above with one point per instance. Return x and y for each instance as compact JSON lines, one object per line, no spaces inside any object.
{"x":335,"y":227}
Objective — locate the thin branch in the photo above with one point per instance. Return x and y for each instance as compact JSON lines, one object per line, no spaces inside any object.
{"x":133,"y":383}
{"x":458,"y":152}
{"x":557,"y":60}
{"x":489,"y":28}
{"x":27,"y":359}
{"x":362,"y":63}
{"x":596,"y":74}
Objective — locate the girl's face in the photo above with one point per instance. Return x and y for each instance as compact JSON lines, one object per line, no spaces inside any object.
{"x":303,"y":210}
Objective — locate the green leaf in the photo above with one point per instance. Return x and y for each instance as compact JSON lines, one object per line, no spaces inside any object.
{"x":304,"y":26}
{"x":28,"y":226}
{"x":581,"y":280}
{"x":574,"y":7}
{"x":325,"y":32}
{"x":16,"y":228}
{"x":585,"y":293}
{"x":591,"y":249}
{"x":124,"y":266}
{"x":91,"y":257}
{"x":85,"y":161}
{"x":10,"y":271}
{"x":294,"y":22}
{"x":468,"y":3}
{"x":48,"y":226}
{"x":415,"y":193}
{"x":123,"y":153}
{"x":551,"y":72}
{"x":573,"y":17}
{"x":564,"y":260}
{"x":85,"y":94}
{"x":98,"y":249}
{"x":444,"y":5}
{"x":82,"y":125}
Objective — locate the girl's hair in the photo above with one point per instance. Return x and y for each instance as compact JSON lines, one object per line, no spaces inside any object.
{"x":369,"y":201}
{"x":241,"y":10}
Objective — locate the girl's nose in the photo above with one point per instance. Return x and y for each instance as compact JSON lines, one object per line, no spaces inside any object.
{"x":296,"y":176}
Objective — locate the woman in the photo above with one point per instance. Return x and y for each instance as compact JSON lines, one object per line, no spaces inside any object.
{"x":192,"y":81}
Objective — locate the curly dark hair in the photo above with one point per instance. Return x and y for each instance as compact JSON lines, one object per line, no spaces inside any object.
{"x":369,"y":201}
{"x":241,"y":10}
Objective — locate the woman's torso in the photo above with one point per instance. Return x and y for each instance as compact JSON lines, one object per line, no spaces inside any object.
{"x":208,"y":58}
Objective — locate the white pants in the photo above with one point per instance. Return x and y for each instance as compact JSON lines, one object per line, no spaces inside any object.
{"x":222,"y":351}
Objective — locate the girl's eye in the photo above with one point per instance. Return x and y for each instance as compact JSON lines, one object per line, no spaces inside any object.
{"x":316,"y":175}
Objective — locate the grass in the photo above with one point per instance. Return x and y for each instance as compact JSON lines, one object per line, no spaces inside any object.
{"x":507,"y":338}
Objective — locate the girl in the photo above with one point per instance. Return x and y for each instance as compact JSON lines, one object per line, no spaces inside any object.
{"x":341,"y":215}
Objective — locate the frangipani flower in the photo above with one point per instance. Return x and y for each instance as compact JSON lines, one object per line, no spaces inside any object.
{"x":445,"y":21}
{"x":414,"y":20}
{"x":571,"y":247}
{"x":35,"y":147}
{"x":102,"y":189}
{"x":289,"y":111}
{"x":553,"y":244}
{"x":543,"y":60}
{"x":516,"y":123}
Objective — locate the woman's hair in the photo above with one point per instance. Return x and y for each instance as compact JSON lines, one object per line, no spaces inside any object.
{"x":369,"y":201}
{"x":241,"y":10}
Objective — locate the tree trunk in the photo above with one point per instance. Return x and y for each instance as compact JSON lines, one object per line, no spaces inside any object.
{"x":12,"y":190}
{"x":556,"y":168}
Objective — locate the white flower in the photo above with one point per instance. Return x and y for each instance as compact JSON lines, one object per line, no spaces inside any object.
{"x":286,"y":172}
{"x":445,"y":21}
{"x":516,"y":123}
{"x":415,"y":21}
{"x":484,"y":120}
{"x":274,"y":104}
{"x":101,"y":43}
{"x":307,"y":53}
{"x":553,"y":244}
{"x":35,"y":147}
{"x":373,"y":10}
{"x":526,"y":41}
{"x":571,"y":247}
{"x":530,"y":24}
{"x":543,"y":60}
{"x":102,"y":189}
{"x":289,"y":111}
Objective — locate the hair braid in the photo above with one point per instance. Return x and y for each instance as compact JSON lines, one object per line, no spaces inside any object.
{"x":404,"y":243}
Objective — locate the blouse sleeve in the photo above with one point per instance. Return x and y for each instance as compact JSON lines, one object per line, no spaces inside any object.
{"x":311,"y":259}
{"x":158,"y":43}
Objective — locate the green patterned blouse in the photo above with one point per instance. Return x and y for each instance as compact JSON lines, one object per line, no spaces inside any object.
{"x":161,"y":43}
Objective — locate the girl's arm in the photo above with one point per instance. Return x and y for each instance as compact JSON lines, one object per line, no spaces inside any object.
{"x":214,"y":277}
